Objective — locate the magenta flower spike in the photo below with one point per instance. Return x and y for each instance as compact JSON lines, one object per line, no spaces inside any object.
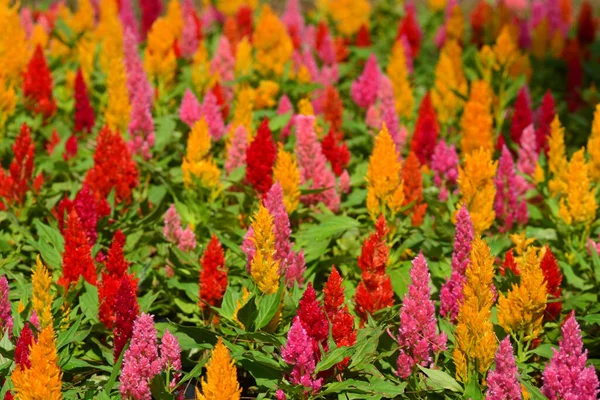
{"x":365,"y":87}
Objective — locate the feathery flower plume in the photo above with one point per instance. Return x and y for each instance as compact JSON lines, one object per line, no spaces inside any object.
{"x":426,"y":131}
{"x":272,"y":43}
{"x":198,"y":166}
{"x":37,"y":85}
{"x":333,"y":109}
{"x":264,"y":268}
{"x":221,"y":376}
{"x":283,"y":107}
{"x":365,"y":87}
{"x":151,"y":10}
{"x":293,"y":20}
{"x":141,"y":362}
{"x":313,"y":320}
{"x":313,"y":164}
{"x":287,"y":174}
{"x":477,"y":122}
{"x":126,"y":312}
{"x":113,"y":168}
{"x":299,"y":353}
{"x":213,"y":277}
{"x":210,"y":111}
{"x":586,"y":24}
{"x":192,"y":30}
{"x":527,"y":161}
{"x":44,"y":379}
{"x":522,"y":116}
{"x":417,"y":337}
{"x":397,"y":71}
{"x":174,"y":233}
{"x":236,"y":153}
{"x":522,"y":310}
{"x":444,"y":164}
{"x":223,"y":62}
{"x":127,"y":17}
{"x":84,"y":113}
{"x":509,"y":204}
{"x":409,"y":28}
{"x":503,"y":382}
{"x":476,"y":184}
{"x":88,"y":210}
{"x":579,"y":205}
{"x":118,"y":108}
{"x":475,"y":338}
{"x":23,"y":348}
{"x":384,"y":179}
{"x":77,"y":257}
{"x":170,"y":359}
{"x":190,"y":110}
{"x":553,"y":276}
{"x":593,"y":147}
{"x":349,"y":15}
{"x":260,"y":158}
{"x":557,"y":158}
{"x":451,"y":294}
{"x":6,"y":320}
{"x":449,"y":80}
{"x":337,"y":154}
{"x":374,"y":291}
{"x":387,"y":109}
{"x":41,"y":280}
{"x":547,"y":114}
{"x":566,"y":376}
{"x":413,"y":188}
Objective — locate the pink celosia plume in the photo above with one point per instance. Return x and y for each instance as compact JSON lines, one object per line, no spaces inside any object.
{"x":365,"y":87}
{"x":503,"y":382}
{"x":509,"y":205}
{"x":444,"y":163}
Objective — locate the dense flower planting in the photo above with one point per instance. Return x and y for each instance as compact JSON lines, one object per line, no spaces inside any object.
{"x":339,"y":199}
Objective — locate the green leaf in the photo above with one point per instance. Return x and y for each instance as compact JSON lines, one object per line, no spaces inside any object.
{"x":441,"y":380}
{"x":89,"y":302}
{"x":116,"y":371}
{"x":333,"y":357}
{"x":267,"y":308}
{"x":279,"y":121}
{"x":247,"y":314}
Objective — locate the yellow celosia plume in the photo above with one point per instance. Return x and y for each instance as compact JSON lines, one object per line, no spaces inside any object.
{"x":287,"y":174}
{"x":272,"y":43}
{"x":593,"y":147}
{"x":243,"y":58}
{"x":449,"y":80}
{"x":198,"y":164}
{"x":244,"y":108}
{"x":557,"y":158}
{"x":477,"y":122}
{"x":347,"y":15}
{"x":220,"y":382}
{"x":266,"y":94}
{"x":264,"y":268}
{"x":578,"y":204}
{"x":202,"y":77}
{"x":231,"y":7}
{"x":14,"y":51}
{"x":41,"y":280}
{"x":397,"y":71}
{"x":118,"y":107}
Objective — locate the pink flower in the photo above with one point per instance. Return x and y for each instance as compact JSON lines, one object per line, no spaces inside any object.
{"x":387,"y":105}
{"x":566,"y":376}
{"x":509,"y":205}
{"x":407,"y":53}
{"x":444,"y":163}
{"x":189,"y":41}
{"x":6,"y":320}
{"x":285,"y":106}
{"x":517,"y":5}
{"x":417,"y":337}
{"x":365,"y":87}
{"x":190,"y":110}
{"x":141,"y":362}
{"x":128,"y":19}
{"x":183,"y":238}
{"x":326,"y":50}
{"x":298,"y":352}
{"x":223,"y":61}
{"x":344,"y":182}
{"x":88,"y":212}
{"x":452,"y":291}
{"x":503,"y":381}
{"x":236,"y":153}
{"x":210,"y":111}
{"x":293,"y":20}
{"x":170,"y":358}
{"x":313,"y":164}
{"x":528,"y":157}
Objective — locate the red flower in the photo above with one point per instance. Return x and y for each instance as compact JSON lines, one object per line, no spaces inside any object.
{"x":574,"y":75}
{"x":522,"y":115}
{"x":341,"y":50}
{"x":151,"y":10}
{"x":113,"y":168}
{"x":213,"y":277}
{"x":413,"y":188}
{"x":84,"y":113}
{"x":586,"y":25}
{"x":553,"y":276}
{"x":15,"y":185}
{"x":53,"y":142}
{"x":409,"y":27}
{"x":23,"y":348}
{"x":547,"y":113}
{"x":230,"y":31}
{"x":337,"y":155}
{"x":260,"y":158}
{"x":509,"y":263}
{"x":244,"y":20}
{"x":333,"y":110}
{"x":313,"y":319}
{"x":363,"y":37}
{"x":217,"y":90}
{"x":37,"y":85}
{"x":70,"y":148}
{"x":426,"y":131}
{"x":479,"y":20}
{"x":322,"y":32}
{"x":77,"y":257}
{"x":374,"y":291}
{"x":126,"y":312}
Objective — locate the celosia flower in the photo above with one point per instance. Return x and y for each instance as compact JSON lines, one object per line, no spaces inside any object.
{"x":298,"y":352}
{"x":264,"y":267}
{"x":287,"y":174}
{"x":546,"y":116}
{"x":417,"y":337}
{"x":365,"y":87}
{"x":37,"y":85}
{"x":44,"y":379}
{"x":213,"y":276}
{"x":313,"y":320}
{"x":283,"y":107}
{"x":409,"y":27}
{"x":23,"y":348}
{"x":476,"y":184}
{"x":192,"y":30}
{"x":397,"y":71}
{"x":593,"y":147}
{"x":566,"y":376}
{"x":337,"y":154}
{"x":527,"y":161}
{"x":221,"y":376}
{"x":174,"y":233}
{"x":313,"y":164}
{"x":579,"y":205}
{"x":260,"y":158}
{"x":503,"y":382}
{"x":170,"y":359}
{"x":374,"y":291}
{"x":84,"y":113}
{"x":586,"y":24}
{"x":88,"y":210}
{"x":236,"y":152}
{"x":426,"y":131}
{"x":210,"y":111}
{"x":449,"y":80}
{"x":444,"y":164}
{"x":522,"y":116}
{"x":476,"y":121}
{"x":509,"y":204}
{"x":557,"y":158}
{"x":71,"y":147}
{"x":553,"y":276}
{"x":198,"y":166}
{"x":126,"y":312}
{"x":151,"y":10}
{"x":41,"y":280}
{"x":127,"y":17}
{"x":475,"y":338}
{"x":413,"y":188}
{"x":77,"y":257}
{"x":451,"y":294}
{"x":266,"y":94}
{"x":118,"y":108}
{"x":575,"y":75}
{"x":223,"y":62}
{"x":348,"y":15}
{"x":6,"y":320}
{"x":387,"y":108}
{"x":113,"y":168}
{"x":141,"y":362}
{"x":190,"y":110}
{"x":272,"y":44}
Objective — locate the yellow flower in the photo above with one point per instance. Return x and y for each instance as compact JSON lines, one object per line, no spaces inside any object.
{"x":557,"y":44}
{"x":243,"y":58}
{"x":437,"y":5}
{"x":197,"y":163}
{"x":476,"y":184}
{"x":305,"y":107}
{"x":264,"y":268}
{"x":578,"y":205}
{"x":448,"y":80}
{"x":455,"y":27}
{"x":109,"y":32}
{"x":175,"y":18}
{"x":244,"y":108}
{"x":476,"y":121}
{"x":557,"y":158}
{"x":505,"y":49}
{"x":231,"y":7}
{"x":220,"y":382}
{"x":14,"y":52}
{"x":8,"y":101}
{"x":266,"y":93}
{"x":384,"y":178}
{"x":118,"y":106}
{"x":303,"y":74}
{"x":160,"y":61}
{"x":538,"y":175}
{"x":521,"y":242}
{"x":475,"y":339}
{"x":272,"y":43}
{"x":522,"y":310}
{"x":398,"y":74}
{"x":198,"y":144}
{"x":540,"y":39}
{"x":39,"y":36}
{"x":202,"y":77}
{"x":82,"y":20}
{"x":348,"y":15}
{"x":287,"y":174}
{"x":41,"y":297}
{"x":593,"y":146}
{"x":43,"y":379}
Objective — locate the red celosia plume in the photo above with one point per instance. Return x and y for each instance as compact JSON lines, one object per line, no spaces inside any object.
{"x":333,"y":110}
{"x":547,"y":113}
{"x":77,"y":257}
{"x":586,"y":24}
{"x":337,"y":154}
{"x":363,"y":37}
{"x":213,"y":276}
{"x":126,"y":312}
{"x":409,"y":27}
{"x":37,"y":85}
{"x":151,"y":10}
{"x":23,"y":348}
{"x":244,"y":21}
{"x":553,"y":276}
{"x":522,"y":116}
{"x":426,"y":131}
{"x":84,"y":113}
{"x":260,"y":159}
{"x":413,"y":188}
{"x":313,"y":319}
